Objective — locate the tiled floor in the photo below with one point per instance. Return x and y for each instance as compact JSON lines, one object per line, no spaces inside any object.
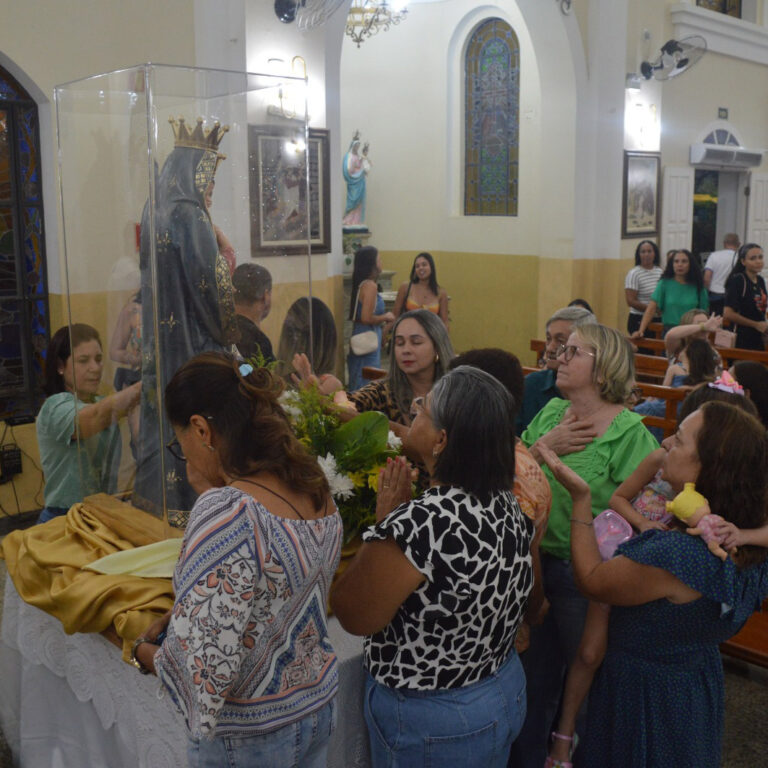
{"x":746,"y":705}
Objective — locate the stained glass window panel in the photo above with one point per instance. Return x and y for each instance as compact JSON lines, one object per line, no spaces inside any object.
{"x":8,"y":284}
{"x":27,"y":127}
{"x":492,"y":117}
{"x":11,"y":348}
{"x":33,"y":233}
{"x":5,"y":157}
{"x":24,"y":319}
{"x":728,"y":7}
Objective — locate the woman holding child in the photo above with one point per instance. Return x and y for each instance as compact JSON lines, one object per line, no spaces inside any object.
{"x":658,"y":696}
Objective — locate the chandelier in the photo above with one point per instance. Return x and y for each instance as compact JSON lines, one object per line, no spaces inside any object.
{"x":367,"y":17}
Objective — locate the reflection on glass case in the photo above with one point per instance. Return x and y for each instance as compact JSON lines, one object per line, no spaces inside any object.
{"x":169,"y":175}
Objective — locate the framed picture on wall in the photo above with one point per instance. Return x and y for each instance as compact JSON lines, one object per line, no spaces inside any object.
{"x":279,"y":205}
{"x":640,"y":200}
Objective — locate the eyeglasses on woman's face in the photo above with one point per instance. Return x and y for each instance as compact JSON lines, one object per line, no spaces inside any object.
{"x":569,"y":351}
{"x":174,"y":448}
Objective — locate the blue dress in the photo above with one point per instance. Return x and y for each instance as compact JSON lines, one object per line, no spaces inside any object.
{"x":658,"y":698}
{"x":355,"y":363}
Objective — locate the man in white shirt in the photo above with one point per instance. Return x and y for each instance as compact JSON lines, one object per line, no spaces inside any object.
{"x":717,"y":269}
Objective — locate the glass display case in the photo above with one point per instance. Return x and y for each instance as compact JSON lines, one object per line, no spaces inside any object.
{"x":150,"y":249}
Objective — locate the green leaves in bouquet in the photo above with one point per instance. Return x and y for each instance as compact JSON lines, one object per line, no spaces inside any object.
{"x":358,"y":443}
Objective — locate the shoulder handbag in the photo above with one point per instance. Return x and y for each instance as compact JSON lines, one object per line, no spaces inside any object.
{"x":365,"y":342}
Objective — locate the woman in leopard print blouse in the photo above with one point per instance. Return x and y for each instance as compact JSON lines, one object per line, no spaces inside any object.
{"x":440,"y":585}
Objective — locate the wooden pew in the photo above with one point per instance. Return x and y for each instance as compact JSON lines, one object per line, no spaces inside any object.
{"x":650,"y":368}
{"x":751,"y":644}
{"x":371,"y":374}
{"x":672,"y":397}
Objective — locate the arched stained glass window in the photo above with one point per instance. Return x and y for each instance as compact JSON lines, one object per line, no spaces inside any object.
{"x":24,"y":323}
{"x":492,"y":120}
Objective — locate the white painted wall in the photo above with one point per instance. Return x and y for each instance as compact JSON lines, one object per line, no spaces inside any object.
{"x":404,"y":90}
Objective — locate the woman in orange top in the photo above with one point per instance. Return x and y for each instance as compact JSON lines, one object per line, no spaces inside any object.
{"x":422,"y":290}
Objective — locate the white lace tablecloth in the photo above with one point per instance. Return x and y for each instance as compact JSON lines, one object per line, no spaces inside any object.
{"x":69,"y":701}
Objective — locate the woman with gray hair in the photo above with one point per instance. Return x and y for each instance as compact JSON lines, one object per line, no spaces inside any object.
{"x":603,"y":442}
{"x":440,"y":585}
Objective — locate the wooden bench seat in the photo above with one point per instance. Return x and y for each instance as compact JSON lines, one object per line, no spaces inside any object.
{"x":751,"y":644}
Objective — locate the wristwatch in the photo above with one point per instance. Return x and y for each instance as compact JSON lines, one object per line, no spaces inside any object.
{"x":136,"y":663}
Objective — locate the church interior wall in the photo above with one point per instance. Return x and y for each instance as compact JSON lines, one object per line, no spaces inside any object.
{"x":403,"y":90}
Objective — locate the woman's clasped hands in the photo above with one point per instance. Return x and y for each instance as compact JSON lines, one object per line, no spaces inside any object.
{"x":394,"y":486}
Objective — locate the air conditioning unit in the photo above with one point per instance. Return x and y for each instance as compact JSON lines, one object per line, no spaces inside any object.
{"x":725,"y":156}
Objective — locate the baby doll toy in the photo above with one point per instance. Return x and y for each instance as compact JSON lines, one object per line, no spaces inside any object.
{"x":690,"y":507}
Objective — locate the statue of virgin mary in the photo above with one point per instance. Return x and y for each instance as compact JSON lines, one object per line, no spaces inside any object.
{"x":187,"y":306}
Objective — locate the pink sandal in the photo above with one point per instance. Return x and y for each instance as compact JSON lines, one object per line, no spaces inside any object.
{"x":550,"y":762}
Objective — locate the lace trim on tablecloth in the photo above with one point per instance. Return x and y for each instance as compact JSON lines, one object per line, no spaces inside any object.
{"x":87,"y":661}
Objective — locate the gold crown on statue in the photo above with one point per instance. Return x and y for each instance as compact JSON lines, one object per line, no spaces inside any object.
{"x":198,"y":137}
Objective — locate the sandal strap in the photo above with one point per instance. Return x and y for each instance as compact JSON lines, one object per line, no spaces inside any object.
{"x":561,"y":736}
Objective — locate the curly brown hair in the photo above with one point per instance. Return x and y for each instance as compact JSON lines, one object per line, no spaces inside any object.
{"x":733,"y":452}
{"x":253,"y":433}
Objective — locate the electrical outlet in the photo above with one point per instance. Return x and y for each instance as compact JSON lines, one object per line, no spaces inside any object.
{"x":10,"y":461}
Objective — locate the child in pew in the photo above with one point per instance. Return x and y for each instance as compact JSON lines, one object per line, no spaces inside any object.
{"x":641,"y":501}
{"x":695,"y":366}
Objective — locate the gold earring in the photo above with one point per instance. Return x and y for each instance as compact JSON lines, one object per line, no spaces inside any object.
{"x":437,"y":358}
{"x":209,"y":447}
{"x":435,"y":453}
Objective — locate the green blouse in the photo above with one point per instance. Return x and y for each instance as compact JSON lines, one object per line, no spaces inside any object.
{"x":604,"y":463}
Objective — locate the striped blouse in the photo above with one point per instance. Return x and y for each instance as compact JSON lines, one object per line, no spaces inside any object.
{"x":247,"y":649}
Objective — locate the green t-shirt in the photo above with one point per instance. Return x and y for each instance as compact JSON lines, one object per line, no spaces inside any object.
{"x":604,"y":463}
{"x":73,"y":472}
{"x":675,"y":299}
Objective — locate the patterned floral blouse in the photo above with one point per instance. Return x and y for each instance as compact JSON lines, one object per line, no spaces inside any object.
{"x":247,"y":649}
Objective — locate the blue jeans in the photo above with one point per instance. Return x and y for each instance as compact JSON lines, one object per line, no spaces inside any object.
{"x":553,"y":647}
{"x":454,"y":727}
{"x":303,"y":743}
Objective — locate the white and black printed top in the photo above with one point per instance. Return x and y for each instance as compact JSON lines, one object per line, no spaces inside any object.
{"x":459,"y":626}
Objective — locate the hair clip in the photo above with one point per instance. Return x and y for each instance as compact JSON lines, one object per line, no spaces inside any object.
{"x":245,"y":369}
{"x":726,"y":383}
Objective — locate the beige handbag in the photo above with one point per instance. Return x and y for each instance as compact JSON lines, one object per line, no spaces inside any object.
{"x":365,"y":342}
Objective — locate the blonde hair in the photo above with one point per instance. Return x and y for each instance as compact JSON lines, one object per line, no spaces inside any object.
{"x":614,"y":371}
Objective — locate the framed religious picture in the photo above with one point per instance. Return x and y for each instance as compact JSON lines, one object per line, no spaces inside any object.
{"x":280,"y":210}
{"x":640,"y":199}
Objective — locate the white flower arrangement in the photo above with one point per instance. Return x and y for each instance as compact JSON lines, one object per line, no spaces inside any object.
{"x":342,"y":486}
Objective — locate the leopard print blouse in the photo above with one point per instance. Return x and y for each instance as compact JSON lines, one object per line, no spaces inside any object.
{"x":459,"y":625}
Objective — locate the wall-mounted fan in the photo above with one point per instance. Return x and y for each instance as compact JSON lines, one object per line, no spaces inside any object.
{"x":307,"y":14}
{"x":676,"y":57}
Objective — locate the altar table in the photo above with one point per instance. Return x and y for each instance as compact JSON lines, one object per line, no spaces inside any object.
{"x":69,"y":701}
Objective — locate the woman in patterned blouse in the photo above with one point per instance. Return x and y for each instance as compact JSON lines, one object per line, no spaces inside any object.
{"x":440,"y":584}
{"x":247,"y":657}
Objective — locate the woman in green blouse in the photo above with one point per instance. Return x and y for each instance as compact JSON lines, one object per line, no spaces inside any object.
{"x":602,"y":441}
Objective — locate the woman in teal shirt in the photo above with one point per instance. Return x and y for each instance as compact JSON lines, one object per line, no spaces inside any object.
{"x":77,"y":431}
{"x":603,"y":442}
{"x":680,"y":289}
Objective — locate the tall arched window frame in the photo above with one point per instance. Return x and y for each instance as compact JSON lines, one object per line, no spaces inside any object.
{"x":492,"y":120}
{"x":24,"y":317}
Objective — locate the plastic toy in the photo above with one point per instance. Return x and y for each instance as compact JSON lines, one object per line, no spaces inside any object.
{"x":690,"y":507}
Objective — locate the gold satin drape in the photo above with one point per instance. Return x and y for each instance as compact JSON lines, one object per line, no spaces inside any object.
{"x":45,"y":563}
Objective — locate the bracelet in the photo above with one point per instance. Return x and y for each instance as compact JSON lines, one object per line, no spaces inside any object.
{"x":136,"y":663}
{"x":701,"y":326}
{"x":582,"y":522}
